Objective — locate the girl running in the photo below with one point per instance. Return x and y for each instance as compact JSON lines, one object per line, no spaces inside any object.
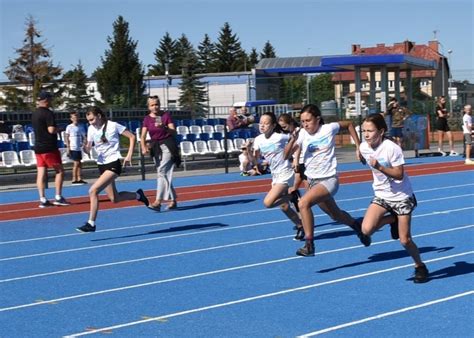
{"x":392,"y":188}
{"x":104,"y":135}
{"x":316,"y":142}
{"x":271,"y":144}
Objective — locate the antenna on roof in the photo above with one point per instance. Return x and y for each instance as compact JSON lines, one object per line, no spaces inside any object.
{"x":435,"y":32}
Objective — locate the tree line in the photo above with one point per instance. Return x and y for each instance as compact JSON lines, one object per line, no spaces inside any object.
{"x":120,"y":77}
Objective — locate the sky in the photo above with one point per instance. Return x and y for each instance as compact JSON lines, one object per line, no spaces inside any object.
{"x":77,"y":30}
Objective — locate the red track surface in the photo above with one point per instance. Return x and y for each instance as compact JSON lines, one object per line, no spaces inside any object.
{"x":26,"y":210}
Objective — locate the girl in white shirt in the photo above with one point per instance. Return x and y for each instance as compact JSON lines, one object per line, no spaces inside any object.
{"x":392,"y":188}
{"x":104,"y":136}
{"x":316,"y":142}
{"x":271,"y":144}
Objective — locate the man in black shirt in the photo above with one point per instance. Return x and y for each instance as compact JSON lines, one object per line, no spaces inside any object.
{"x":46,"y":150}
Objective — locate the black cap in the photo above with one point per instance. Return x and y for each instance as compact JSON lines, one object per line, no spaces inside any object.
{"x":44,"y":95}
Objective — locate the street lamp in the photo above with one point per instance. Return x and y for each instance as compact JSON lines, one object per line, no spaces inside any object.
{"x":450,"y":81}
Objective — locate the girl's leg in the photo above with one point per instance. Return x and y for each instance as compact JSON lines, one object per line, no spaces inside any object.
{"x":278,"y":196}
{"x":102,"y":182}
{"x":374,"y":219}
{"x":406,"y":240}
{"x":440,"y":140}
{"x":163,"y":189}
{"x":314,"y":195}
{"x":330,"y":207}
{"x":450,"y":140}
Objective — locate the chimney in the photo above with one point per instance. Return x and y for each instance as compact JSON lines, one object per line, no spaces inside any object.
{"x":407,"y":46}
{"x":434,"y":45}
{"x":355,"y":49}
{"x":381,"y":45}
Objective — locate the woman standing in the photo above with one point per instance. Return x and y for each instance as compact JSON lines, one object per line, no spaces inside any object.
{"x":443,"y":127}
{"x":104,"y":135}
{"x":163,"y":149}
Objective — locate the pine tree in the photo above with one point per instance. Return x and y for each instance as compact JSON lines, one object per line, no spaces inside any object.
{"x":76,"y":97}
{"x":165,"y":54}
{"x":120,"y":79}
{"x":321,"y":88}
{"x":184,"y":51}
{"x":206,"y":50}
{"x":193,"y":95}
{"x":253,"y":58}
{"x":32,"y":69}
{"x":229,"y":55}
{"x":268,"y":51}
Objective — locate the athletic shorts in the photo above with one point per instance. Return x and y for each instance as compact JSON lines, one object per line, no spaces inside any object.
{"x":442,"y":124}
{"x":467,"y":138}
{"x":75,"y":155}
{"x":330,"y":183}
{"x":49,"y":160}
{"x":115,"y":167}
{"x":285,"y":177}
{"x":399,"y":208}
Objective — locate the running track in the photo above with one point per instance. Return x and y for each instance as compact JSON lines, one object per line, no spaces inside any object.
{"x":22,"y":210}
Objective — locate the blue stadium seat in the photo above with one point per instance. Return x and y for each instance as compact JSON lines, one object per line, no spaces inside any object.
{"x":204,"y":137}
{"x":179,"y":138}
{"x":6,"y":146}
{"x":217,"y":136}
{"x":187,"y":123}
{"x":191,"y":137}
{"x":22,"y":146}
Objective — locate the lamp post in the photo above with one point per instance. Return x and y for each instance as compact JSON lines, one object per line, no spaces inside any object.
{"x":450,"y":81}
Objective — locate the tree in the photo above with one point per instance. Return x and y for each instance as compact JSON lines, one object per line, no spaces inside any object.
{"x":229,"y":55}
{"x":321,"y":88}
{"x":120,"y":79}
{"x":77,"y":96}
{"x":164,"y":55}
{"x":206,"y":50}
{"x":193,"y":95}
{"x":253,"y":58}
{"x":184,"y":52}
{"x":268,"y":51}
{"x":32,"y":69}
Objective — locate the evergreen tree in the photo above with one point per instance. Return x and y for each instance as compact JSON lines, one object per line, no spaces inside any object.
{"x":77,"y":96}
{"x":229,"y":55}
{"x":206,"y":50}
{"x":193,"y":95}
{"x":120,"y":79}
{"x":165,"y":54}
{"x":268,"y":51}
{"x":253,"y":58}
{"x":32,"y":69}
{"x":184,"y":51}
{"x":321,"y":88}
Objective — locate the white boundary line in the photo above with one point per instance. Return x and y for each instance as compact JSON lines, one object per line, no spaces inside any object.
{"x":216,"y":248}
{"x":386,"y":314}
{"x":262,"y":296}
{"x":134,"y":286}
{"x":183,"y":235}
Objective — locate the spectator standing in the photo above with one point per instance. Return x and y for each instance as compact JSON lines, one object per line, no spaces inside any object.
{"x":75,"y":141}
{"x":467,"y":132}
{"x":164,"y":150}
{"x":442,"y":126}
{"x":399,"y":115}
{"x":46,"y":150}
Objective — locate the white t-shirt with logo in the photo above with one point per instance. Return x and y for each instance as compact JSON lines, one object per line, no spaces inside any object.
{"x":318,"y":151}
{"x":466,"y":121}
{"x":110,"y":151}
{"x":272,"y":149}
{"x":76,"y":136}
{"x":389,"y":155}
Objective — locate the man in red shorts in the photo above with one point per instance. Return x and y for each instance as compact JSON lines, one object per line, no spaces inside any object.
{"x":46,"y":150}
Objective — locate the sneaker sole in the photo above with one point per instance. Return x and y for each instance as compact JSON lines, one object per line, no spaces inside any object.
{"x":61,"y":204}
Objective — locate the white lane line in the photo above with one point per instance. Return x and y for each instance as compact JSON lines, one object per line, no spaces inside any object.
{"x":387,"y":314}
{"x":93,"y":247}
{"x":220,"y":216}
{"x":131,"y":261}
{"x":262,"y":296}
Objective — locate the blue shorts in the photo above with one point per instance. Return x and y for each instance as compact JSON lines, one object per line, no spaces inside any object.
{"x":75,"y":155}
{"x":396,"y":132}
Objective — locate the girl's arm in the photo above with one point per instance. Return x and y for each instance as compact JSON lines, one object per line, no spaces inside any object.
{"x":350,"y":127}
{"x":132,"y":139}
{"x":143,"y":140}
{"x":394,"y":172}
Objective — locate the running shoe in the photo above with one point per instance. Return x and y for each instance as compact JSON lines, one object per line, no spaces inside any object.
{"x":142,"y":198}
{"x":453,"y":153}
{"x":45,"y":204}
{"x":469,"y":162}
{"x":421,"y":274}
{"x":86,"y":228}
{"x":364,"y":239}
{"x":307,"y":250}
{"x":61,"y":202}
{"x":299,"y":234}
